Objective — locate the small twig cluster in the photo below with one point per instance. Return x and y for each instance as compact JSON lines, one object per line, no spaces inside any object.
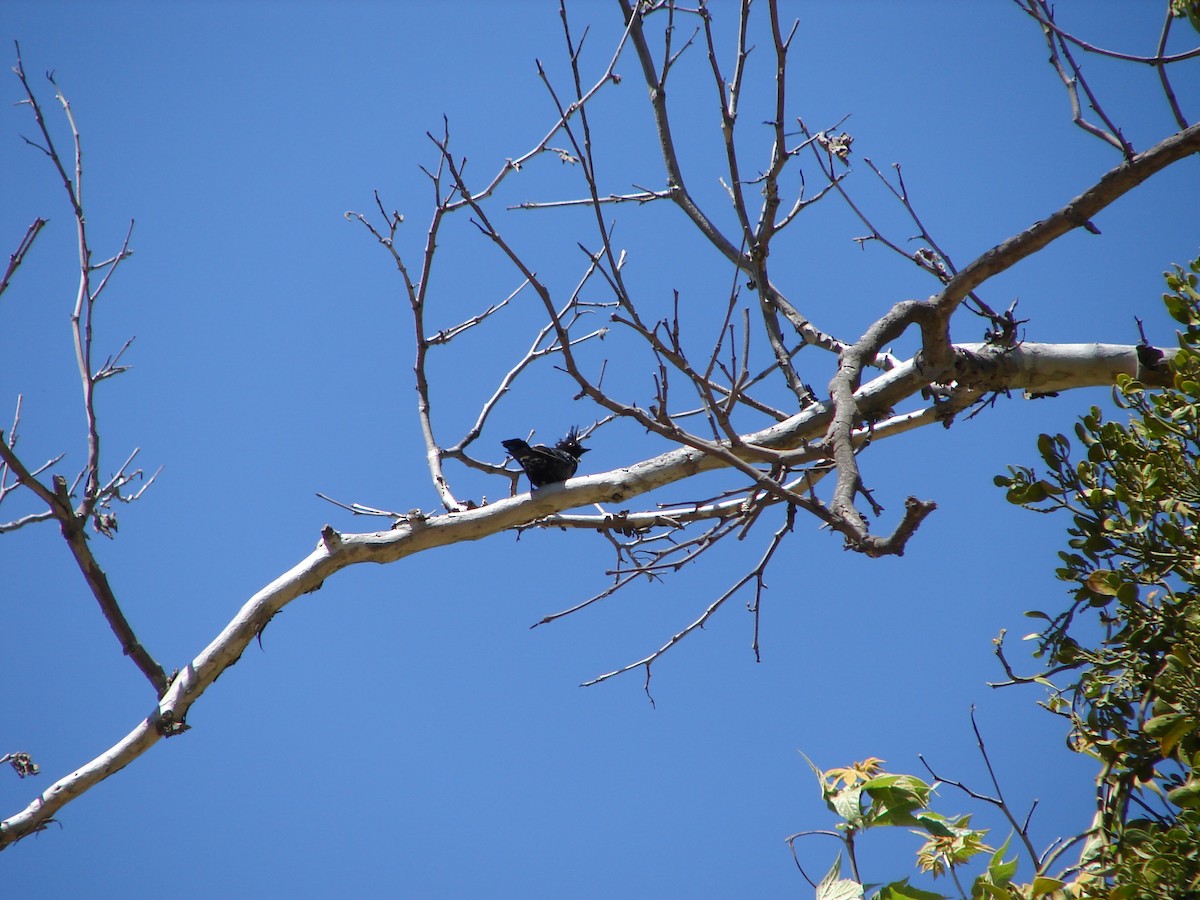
{"x":729,"y":380}
{"x":705,"y":400}
{"x":89,"y":496}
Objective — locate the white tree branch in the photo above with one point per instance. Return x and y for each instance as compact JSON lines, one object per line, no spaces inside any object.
{"x":1035,"y":367}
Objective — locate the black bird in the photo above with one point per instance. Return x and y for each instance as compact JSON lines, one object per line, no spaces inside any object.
{"x":547,"y":465}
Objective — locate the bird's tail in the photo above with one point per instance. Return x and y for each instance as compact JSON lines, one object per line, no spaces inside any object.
{"x":516,"y":447}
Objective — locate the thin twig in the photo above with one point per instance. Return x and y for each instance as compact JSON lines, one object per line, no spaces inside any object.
{"x":18,"y":256}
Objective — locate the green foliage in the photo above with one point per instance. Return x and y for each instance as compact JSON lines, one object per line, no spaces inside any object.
{"x":1189,"y":8}
{"x":864,"y":796}
{"x":1126,"y":651}
{"x":1122,"y":661}
{"x":1158,"y":860}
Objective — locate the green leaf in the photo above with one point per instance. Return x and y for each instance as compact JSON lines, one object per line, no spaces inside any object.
{"x":895,"y":797}
{"x":1000,"y":872}
{"x":1127,"y":593}
{"x":1043,"y":885}
{"x":834,"y":887}
{"x":934,"y":824}
{"x":1187,"y":795}
{"x":848,"y":804}
{"x":820,"y":775}
{"x":1046,"y":448}
{"x":981,"y":888}
{"x":1177,"y":308}
{"x":1189,"y":8}
{"x":1159,"y":726}
{"x":1104,"y":581}
{"x":1034,"y":493}
{"x":902,"y":890}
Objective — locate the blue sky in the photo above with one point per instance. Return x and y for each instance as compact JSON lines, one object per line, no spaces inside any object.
{"x":403,"y":732}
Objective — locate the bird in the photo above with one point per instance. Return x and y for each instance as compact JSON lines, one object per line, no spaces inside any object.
{"x":547,"y":465}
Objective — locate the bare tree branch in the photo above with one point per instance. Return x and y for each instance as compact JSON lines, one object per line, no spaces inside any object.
{"x":774,"y":434}
{"x":18,"y":256}
{"x":98,"y":494}
{"x":1034,"y":10}
{"x":1059,"y":42}
{"x":1077,"y":213}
